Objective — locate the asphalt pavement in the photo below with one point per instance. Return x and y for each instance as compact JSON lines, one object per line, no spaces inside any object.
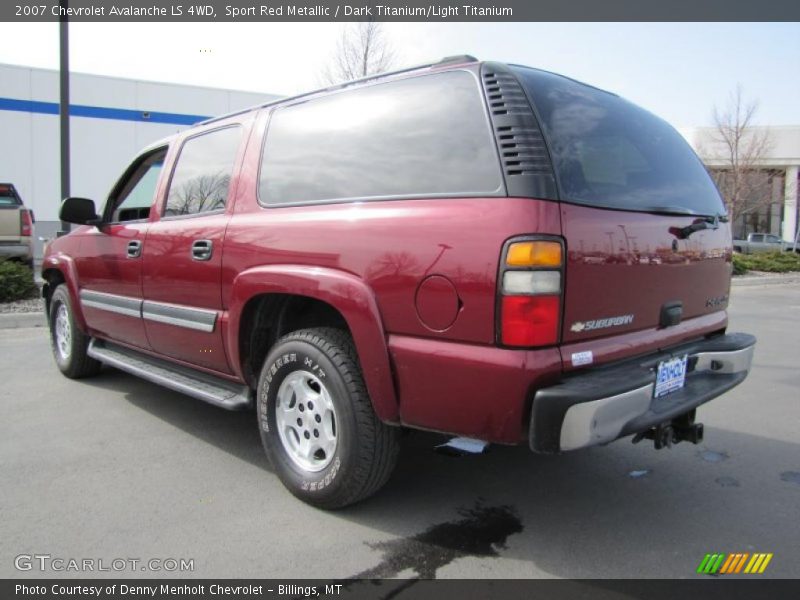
{"x":117,"y":468}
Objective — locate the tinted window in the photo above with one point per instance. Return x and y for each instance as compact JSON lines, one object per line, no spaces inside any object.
{"x":609,"y":152}
{"x":202,"y":176}
{"x":425,"y":136}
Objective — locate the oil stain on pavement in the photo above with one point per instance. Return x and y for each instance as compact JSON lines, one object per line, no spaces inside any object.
{"x":479,"y":532}
{"x":791,"y":477}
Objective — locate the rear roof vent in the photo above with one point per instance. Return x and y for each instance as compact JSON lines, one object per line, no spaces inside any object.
{"x":523,"y":152}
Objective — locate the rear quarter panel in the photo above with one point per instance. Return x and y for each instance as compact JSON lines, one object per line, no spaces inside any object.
{"x":393,"y":246}
{"x":382,"y":251}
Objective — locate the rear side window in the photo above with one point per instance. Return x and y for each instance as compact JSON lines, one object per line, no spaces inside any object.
{"x":202,"y":176}
{"x":420,"y":137}
{"x":608,"y":152}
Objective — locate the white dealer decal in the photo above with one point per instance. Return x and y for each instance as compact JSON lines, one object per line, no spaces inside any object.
{"x":579,"y":326}
{"x":582,"y":358}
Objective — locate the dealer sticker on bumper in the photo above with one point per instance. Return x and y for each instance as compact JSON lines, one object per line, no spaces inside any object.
{"x":671,"y":376}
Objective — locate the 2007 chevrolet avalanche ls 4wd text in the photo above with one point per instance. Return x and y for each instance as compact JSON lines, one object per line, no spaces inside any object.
{"x":475,"y":248}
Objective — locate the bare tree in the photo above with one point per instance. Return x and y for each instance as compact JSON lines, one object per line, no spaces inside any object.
{"x":201,"y":193}
{"x":740,"y":148}
{"x":362,"y":50}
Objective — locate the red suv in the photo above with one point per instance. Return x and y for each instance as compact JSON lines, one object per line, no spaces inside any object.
{"x":487,"y":250}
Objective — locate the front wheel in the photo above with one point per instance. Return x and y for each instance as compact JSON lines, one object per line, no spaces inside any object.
{"x":69,"y":343}
{"x":316,"y":420}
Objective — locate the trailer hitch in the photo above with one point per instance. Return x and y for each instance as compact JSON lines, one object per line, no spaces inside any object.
{"x":679,"y":429}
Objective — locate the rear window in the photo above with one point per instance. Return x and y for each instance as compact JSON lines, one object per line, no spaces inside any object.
{"x":419,"y":137}
{"x":8,"y":197}
{"x":608,"y":152}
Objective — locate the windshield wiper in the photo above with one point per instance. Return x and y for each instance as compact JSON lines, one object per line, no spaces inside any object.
{"x":699,"y":224}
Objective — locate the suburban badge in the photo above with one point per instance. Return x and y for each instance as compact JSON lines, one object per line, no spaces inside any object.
{"x":579,"y":326}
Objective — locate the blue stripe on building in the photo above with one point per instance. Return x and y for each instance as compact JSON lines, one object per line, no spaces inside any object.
{"x":100,"y":112}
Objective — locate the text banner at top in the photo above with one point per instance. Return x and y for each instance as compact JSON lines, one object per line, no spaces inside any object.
{"x":398,"y":10}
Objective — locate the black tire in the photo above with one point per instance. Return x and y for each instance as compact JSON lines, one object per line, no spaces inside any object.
{"x":71,"y":357}
{"x":365,"y":448}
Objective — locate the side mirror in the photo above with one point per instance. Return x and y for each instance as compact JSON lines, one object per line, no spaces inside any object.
{"x":78,"y":210}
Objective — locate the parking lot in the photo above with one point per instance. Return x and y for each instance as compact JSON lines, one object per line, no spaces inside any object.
{"x":115,"y":467}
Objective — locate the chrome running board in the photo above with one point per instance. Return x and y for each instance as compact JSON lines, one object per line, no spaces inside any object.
{"x":202,"y":386}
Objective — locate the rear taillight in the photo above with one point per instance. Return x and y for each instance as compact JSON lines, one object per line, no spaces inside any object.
{"x":25,"y":223}
{"x":531,"y":282}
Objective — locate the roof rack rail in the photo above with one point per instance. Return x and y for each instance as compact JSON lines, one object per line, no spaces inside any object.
{"x":458,"y":58}
{"x":461,"y":58}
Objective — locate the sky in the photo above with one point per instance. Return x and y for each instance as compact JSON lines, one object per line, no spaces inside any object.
{"x":679,"y":71}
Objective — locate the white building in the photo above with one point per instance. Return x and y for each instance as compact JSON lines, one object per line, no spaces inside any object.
{"x":111,"y":119}
{"x":776,"y":213}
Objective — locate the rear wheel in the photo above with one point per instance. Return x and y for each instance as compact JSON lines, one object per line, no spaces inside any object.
{"x":69,"y":343}
{"x":316,"y":420}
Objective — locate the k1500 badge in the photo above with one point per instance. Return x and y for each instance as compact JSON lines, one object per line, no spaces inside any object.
{"x":579,"y":326}
{"x":718,"y":301}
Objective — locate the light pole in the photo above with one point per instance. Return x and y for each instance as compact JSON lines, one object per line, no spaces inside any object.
{"x":63,"y":105}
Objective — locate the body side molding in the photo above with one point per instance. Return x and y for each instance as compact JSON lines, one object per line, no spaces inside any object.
{"x":189,"y":317}
{"x":198,"y":319}
{"x":122,"y":305}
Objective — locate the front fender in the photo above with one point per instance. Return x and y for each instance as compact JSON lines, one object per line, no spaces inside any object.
{"x":66,"y":266}
{"x":349,"y":295}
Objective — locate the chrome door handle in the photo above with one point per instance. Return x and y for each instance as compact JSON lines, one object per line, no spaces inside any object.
{"x":134,"y":249}
{"x":202,"y":249}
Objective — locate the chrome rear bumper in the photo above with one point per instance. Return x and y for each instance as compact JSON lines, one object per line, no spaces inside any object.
{"x":602,"y":405}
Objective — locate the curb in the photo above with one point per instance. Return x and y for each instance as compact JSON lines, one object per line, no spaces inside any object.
{"x":751,"y":280}
{"x":22,"y":320}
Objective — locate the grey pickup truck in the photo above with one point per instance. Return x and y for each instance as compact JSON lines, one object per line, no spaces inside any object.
{"x":16,"y":226}
{"x":762,"y":242}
